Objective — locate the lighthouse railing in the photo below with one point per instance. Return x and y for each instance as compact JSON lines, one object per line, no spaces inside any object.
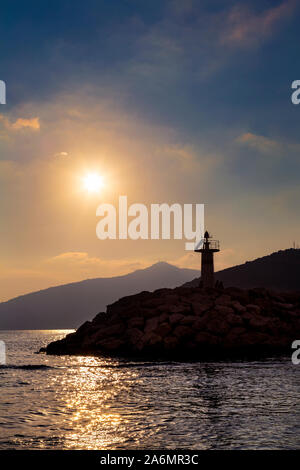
{"x":214,"y":244}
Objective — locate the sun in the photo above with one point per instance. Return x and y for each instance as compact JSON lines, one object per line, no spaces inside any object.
{"x":93,"y":182}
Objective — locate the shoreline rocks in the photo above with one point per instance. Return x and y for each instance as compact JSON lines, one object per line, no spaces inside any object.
{"x":189,"y":322}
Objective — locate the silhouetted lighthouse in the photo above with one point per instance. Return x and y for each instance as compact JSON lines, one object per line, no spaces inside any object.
{"x":207,"y":247}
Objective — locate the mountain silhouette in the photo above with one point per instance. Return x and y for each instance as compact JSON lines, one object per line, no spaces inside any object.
{"x":278,"y":271}
{"x":69,"y":305}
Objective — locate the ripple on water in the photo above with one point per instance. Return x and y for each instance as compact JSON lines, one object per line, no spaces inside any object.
{"x":87,"y":403}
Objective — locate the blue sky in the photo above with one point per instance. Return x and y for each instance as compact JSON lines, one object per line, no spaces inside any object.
{"x":196,"y":93}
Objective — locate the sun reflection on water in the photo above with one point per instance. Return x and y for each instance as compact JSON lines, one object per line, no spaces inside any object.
{"x":100,"y":403}
{"x":87,"y":392}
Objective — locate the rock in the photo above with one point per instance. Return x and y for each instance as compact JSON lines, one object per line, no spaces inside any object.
{"x":224,"y":310}
{"x":110,"y":344}
{"x":201,"y":323}
{"x":253,"y":308}
{"x":283,"y":306}
{"x":258,"y":322}
{"x":182,"y":331}
{"x":153,"y":303}
{"x":223,"y":300}
{"x":163,"y":329}
{"x":217,"y":326}
{"x":234,"y":320}
{"x":170,"y":343}
{"x":206,"y":339}
{"x":171,"y":299}
{"x":83,"y":328}
{"x":152,"y":339}
{"x":149,"y":313}
{"x":151,"y":324}
{"x":134,"y":335}
{"x":175,"y":318}
{"x":240,"y":295}
{"x":188,"y":320}
{"x":198,"y":308}
{"x":116,"y":329}
{"x":104,"y":332}
{"x":247,"y":317}
{"x":258,"y":292}
{"x":238,"y":307}
{"x":137,"y":322}
{"x":234,"y":337}
{"x":164,"y":317}
{"x":179,"y":309}
{"x":100,"y":317}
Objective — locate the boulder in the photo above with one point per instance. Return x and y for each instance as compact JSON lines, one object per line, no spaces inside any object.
{"x":217,"y":326}
{"x":206,"y":339}
{"x":137,"y":322}
{"x":152,"y":339}
{"x":134,"y":335}
{"x":223,"y":300}
{"x":164,"y":317}
{"x":234,"y":337}
{"x":224,"y":309}
{"x":149,"y":313}
{"x":170,"y":343}
{"x":198,"y":308}
{"x":151,"y":324}
{"x":253,"y":308}
{"x":182,"y":331}
{"x":283,"y":306}
{"x":175,"y":318}
{"x":164,"y":329}
{"x":238,"y":307}
{"x":182,"y":309}
{"x":110,"y":344}
{"x":258,"y":322}
{"x":234,"y":320}
{"x":188,"y":320}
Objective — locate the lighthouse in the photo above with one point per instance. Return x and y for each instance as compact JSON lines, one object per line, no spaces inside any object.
{"x":207,"y":247}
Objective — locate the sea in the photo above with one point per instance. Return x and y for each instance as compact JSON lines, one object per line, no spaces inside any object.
{"x":74,"y":402}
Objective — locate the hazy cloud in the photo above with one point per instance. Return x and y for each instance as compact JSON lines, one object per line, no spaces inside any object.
{"x":244,"y":27}
{"x":20,"y":123}
{"x":82,"y":263}
{"x":259,"y":142}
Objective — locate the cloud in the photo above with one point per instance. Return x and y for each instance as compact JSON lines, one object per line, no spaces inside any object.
{"x":90,"y":266}
{"x":259,"y":142}
{"x":189,"y":260}
{"x":20,"y":123}
{"x":191,"y":40}
{"x":190,"y":158}
{"x":222,"y":260}
{"x":61,"y":155}
{"x":244,"y":27}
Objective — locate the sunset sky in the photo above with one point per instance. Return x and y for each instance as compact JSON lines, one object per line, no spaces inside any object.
{"x":169,"y":101}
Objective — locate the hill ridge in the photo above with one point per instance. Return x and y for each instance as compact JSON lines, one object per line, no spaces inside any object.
{"x":281,"y":271}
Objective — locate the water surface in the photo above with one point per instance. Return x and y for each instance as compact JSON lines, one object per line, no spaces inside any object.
{"x":49,"y":402}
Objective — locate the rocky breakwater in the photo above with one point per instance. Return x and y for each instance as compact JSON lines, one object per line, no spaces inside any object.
{"x":189,"y":322}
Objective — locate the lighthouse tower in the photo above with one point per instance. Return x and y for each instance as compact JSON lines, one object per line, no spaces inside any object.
{"x":207,"y":247}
